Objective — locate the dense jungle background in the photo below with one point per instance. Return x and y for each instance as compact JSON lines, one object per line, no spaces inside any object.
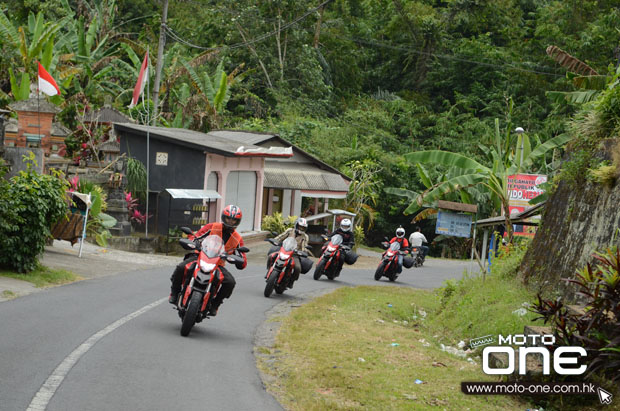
{"x":360,"y":84}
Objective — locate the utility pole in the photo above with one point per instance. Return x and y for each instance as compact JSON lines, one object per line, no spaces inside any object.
{"x":160,"y":59}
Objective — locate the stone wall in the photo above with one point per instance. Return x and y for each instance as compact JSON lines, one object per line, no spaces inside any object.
{"x":14,"y":156}
{"x":577,"y":221}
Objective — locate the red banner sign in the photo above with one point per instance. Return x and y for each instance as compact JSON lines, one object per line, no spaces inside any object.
{"x":521,"y":189}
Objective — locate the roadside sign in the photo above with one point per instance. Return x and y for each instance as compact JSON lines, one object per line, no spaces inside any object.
{"x":521,"y":189}
{"x":453,"y":224}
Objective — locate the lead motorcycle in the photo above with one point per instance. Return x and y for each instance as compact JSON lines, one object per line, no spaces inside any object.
{"x":203,"y":277}
{"x":332,"y":258}
{"x":388,"y":266}
{"x":280,"y":272}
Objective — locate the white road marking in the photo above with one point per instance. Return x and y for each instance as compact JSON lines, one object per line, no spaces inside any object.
{"x":48,"y":389}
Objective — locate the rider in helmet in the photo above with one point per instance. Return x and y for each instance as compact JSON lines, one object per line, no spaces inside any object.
{"x":231,"y":217}
{"x":348,"y":239}
{"x":298,"y":231}
{"x":404,"y":246}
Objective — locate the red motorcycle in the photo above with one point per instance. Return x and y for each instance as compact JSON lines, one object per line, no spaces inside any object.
{"x":332,"y":258}
{"x":388,"y":266}
{"x":281,"y":270}
{"x":203,"y":277}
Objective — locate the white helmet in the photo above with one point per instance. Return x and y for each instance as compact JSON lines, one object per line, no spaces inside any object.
{"x":345,"y":225}
{"x":400,"y":232}
{"x":301,"y":225}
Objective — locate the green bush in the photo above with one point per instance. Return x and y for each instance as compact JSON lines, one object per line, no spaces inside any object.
{"x":277,"y":223}
{"x":29,"y":204}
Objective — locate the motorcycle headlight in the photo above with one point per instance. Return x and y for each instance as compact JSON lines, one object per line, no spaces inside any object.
{"x":331,"y":248}
{"x":206,"y":267}
{"x":284,"y":256}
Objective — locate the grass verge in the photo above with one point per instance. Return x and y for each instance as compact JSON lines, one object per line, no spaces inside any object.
{"x":43,"y":276}
{"x":364,"y":348}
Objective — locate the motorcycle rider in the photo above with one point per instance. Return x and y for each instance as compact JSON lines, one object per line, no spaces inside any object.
{"x":416,"y":239}
{"x":231,"y":217}
{"x":404,"y":244}
{"x":298,"y":232}
{"x":348,"y":239}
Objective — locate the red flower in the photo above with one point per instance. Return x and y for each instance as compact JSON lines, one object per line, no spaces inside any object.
{"x":84,"y":145}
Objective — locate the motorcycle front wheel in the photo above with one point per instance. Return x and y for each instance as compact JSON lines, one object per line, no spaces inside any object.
{"x":271,"y":283}
{"x":189,"y":319}
{"x":318,"y":271}
{"x":379,"y":272}
{"x":281,"y":286}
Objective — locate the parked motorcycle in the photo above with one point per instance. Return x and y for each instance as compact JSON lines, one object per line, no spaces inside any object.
{"x":204,"y":277}
{"x":332,"y":258}
{"x":281,"y":270}
{"x":388,"y":266}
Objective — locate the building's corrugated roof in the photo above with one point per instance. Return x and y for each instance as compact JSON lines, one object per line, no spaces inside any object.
{"x":296,"y":176}
{"x":208,"y":142}
{"x":106,"y":115}
{"x":245,"y":137}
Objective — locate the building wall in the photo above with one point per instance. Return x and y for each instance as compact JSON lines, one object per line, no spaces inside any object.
{"x":33,"y":123}
{"x":222,"y":166}
{"x":184,"y":169}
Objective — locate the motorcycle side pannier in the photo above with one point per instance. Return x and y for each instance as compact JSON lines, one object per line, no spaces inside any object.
{"x":306,"y":265}
{"x":350,"y":258}
{"x":407,"y":262}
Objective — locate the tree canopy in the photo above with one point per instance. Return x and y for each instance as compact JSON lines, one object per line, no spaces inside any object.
{"x":347,"y":80}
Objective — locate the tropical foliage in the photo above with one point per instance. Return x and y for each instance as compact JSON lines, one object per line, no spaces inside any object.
{"x":29,"y":204}
{"x":345,"y":80}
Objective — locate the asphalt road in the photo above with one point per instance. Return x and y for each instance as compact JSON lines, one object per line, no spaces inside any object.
{"x":113,"y":342}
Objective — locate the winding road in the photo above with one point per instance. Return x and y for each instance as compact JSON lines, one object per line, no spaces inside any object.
{"x":113,"y":342}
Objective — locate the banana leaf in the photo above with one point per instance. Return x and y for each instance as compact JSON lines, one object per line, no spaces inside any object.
{"x":445,"y":158}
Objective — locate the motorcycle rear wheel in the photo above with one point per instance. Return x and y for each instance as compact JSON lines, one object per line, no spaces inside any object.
{"x":271,"y":283}
{"x":189,"y":319}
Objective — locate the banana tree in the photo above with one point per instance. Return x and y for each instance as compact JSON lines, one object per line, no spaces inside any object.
{"x":494,"y":177}
{"x":214,"y":92}
{"x":86,"y":53}
{"x":589,"y":82}
{"x":428,"y":208}
{"x":29,"y":41}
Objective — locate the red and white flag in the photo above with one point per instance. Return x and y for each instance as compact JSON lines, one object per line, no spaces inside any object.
{"x":139,"y":88}
{"x":47,"y":83}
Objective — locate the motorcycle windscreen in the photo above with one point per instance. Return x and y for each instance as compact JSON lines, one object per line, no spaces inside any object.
{"x":337,"y":239}
{"x":395,"y":246}
{"x":212,"y":246}
{"x":289,"y":244}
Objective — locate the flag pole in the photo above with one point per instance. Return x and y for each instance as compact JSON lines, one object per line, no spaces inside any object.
{"x":38,"y":109}
{"x":148,"y":122}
